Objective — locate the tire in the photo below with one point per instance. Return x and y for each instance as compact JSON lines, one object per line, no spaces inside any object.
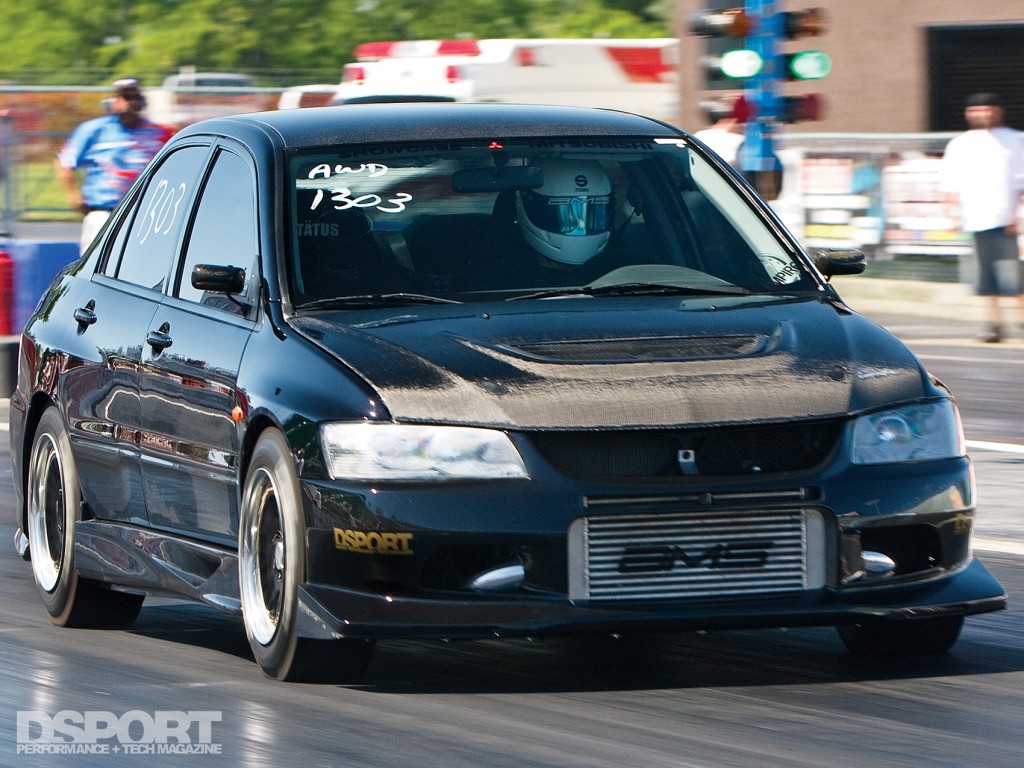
{"x":54,"y":501}
{"x":272,"y":566}
{"x":898,"y":638}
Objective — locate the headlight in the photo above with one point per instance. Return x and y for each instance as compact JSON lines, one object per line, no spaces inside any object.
{"x":917,"y":432}
{"x":379,"y":452}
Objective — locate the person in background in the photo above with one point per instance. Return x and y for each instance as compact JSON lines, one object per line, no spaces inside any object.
{"x":112,"y":151}
{"x":725,"y":136}
{"x":983,"y":177}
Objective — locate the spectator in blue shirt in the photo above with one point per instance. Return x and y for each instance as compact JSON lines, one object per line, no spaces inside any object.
{"x":112,"y":151}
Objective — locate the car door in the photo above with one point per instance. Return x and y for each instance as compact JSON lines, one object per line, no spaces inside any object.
{"x":99,"y":385}
{"x":190,"y":364}
{"x":101,"y":390}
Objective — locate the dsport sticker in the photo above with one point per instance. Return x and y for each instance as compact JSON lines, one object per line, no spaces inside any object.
{"x":373,"y":542}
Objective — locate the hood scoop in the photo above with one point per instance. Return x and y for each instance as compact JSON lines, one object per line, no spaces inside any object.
{"x":625,"y":350}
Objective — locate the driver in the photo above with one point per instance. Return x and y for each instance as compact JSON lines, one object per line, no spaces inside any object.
{"x":568,"y":220}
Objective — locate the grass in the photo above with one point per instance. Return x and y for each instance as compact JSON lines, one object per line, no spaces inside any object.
{"x":36,"y":193}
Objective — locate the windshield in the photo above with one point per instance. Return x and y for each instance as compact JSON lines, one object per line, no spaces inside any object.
{"x":485,"y":221}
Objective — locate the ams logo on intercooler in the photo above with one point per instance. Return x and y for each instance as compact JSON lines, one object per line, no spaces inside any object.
{"x":747,"y":554}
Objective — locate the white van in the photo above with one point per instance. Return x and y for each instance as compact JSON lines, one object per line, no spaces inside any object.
{"x":188,"y":97}
{"x":637,"y":75}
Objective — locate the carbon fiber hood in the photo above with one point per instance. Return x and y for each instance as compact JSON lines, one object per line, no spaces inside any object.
{"x":620,"y":363}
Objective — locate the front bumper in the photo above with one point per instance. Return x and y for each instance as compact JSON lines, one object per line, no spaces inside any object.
{"x":331,"y":612}
{"x":400,"y":561}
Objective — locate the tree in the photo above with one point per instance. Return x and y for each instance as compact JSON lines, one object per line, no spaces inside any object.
{"x":281,"y":42}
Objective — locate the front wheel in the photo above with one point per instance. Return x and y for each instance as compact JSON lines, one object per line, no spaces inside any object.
{"x":896,"y":638}
{"x":272,"y":566}
{"x":54,"y":507}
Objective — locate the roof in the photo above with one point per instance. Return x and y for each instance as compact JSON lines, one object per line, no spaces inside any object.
{"x":369,"y":123}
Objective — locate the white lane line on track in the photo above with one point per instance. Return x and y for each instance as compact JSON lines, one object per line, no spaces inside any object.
{"x":968,"y":359}
{"x":1006,"y":546}
{"x":985,"y":445}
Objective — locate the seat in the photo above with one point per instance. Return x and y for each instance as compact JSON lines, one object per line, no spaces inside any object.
{"x":339,"y":255}
{"x":454,"y":252}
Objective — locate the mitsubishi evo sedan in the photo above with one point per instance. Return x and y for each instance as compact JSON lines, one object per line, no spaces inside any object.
{"x":478,"y":370}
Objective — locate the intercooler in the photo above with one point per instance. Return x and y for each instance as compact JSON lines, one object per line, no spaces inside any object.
{"x":684,"y":556}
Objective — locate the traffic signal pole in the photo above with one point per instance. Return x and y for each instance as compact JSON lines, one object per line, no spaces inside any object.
{"x":757,"y":160}
{"x":763,"y":66}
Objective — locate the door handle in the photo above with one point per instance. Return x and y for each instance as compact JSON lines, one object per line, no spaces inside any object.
{"x":160,"y":339}
{"x":86,"y":315}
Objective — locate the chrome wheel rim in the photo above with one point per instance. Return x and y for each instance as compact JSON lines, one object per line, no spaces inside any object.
{"x":47,"y":513}
{"x":263,"y":560}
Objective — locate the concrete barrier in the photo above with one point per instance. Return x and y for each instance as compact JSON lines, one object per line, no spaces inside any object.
{"x":29,"y":268}
{"x":36,"y":263}
{"x":919,"y":298}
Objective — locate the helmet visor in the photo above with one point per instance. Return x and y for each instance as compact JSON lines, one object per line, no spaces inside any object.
{"x":582,"y":215}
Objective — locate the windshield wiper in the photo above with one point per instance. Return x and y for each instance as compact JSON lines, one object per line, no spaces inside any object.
{"x":374,"y":300}
{"x":638,"y":289}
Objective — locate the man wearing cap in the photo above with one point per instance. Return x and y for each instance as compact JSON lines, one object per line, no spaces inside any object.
{"x":112,"y":150}
{"x":983,"y":174}
{"x":725,"y":135}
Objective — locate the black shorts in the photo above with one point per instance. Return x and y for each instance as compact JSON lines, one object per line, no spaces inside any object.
{"x":999,"y":265}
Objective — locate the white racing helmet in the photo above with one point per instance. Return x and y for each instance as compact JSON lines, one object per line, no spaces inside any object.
{"x":569,"y":218}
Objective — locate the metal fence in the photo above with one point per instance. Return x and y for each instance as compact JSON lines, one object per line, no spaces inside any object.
{"x":36,"y":120}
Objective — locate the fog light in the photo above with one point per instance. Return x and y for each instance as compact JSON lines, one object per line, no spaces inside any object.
{"x":877,"y":564}
{"x":510,"y":576}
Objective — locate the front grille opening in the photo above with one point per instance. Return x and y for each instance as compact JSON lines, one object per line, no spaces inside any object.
{"x":727,"y":451}
{"x":452,"y":567}
{"x":694,"y":556}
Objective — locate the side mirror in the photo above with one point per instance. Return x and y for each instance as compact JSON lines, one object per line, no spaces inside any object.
{"x":840,"y":261}
{"x":219,"y":279}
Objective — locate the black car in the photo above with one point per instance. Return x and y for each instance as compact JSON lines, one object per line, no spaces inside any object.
{"x":460,"y":370}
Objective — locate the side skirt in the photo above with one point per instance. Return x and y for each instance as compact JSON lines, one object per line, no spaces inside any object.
{"x":136,"y":559}
{"x":157,"y":563}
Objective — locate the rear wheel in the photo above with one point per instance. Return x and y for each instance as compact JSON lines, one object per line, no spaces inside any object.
{"x":271,"y":567}
{"x":54,"y":499}
{"x":902,"y":637}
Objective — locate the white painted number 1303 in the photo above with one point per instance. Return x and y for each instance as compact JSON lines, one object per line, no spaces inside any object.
{"x":163,"y":210}
{"x":343,"y":200}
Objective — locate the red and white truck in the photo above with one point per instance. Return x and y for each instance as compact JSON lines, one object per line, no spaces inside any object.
{"x":638,"y":75}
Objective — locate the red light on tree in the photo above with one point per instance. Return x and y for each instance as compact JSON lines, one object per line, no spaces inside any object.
{"x":809,"y":106}
{"x":744,"y":109}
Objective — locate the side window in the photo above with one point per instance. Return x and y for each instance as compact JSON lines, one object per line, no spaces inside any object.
{"x":224,"y":232}
{"x":160,"y":215}
{"x":115,"y":244}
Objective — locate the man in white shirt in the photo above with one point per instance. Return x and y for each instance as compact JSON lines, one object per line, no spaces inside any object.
{"x":983,"y":174}
{"x":725,"y":136}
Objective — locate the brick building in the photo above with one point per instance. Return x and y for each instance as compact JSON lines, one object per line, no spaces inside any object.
{"x":899,"y":66}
